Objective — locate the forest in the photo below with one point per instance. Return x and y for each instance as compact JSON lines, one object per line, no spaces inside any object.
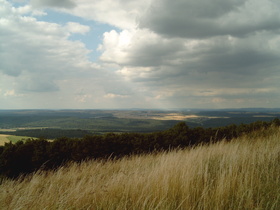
{"x":31,"y":155}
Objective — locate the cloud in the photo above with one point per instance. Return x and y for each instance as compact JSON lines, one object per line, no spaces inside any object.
{"x":124,"y":14}
{"x":200,"y":19}
{"x":39,"y":53}
{"x":10,"y":93}
{"x":138,"y":48}
{"x":73,"y":27}
{"x":206,"y":46}
{"x":159,"y":53}
{"x":151,"y":57}
{"x":112,"y":95}
{"x":53,"y":3}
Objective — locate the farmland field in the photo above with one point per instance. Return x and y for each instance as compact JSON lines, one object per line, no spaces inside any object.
{"x":57,"y":123}
{"x":3,"y":139}
{"x":7,"y":138}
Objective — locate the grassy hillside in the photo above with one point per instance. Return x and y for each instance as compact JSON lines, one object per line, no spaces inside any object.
{"x":241,"y":174}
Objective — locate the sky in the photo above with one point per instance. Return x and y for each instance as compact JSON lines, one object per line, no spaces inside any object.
{"x":150,"y":54}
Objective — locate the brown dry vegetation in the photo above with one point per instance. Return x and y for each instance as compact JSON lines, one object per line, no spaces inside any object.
{"x":241,"y":174}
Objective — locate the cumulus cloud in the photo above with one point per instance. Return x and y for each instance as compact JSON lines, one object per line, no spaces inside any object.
{"x":138,"y":48}
{"x":123,"y":14}
{"x":184,"y":46}
{"x":152,"y":57}
{"x":184,"y":53}
{"x":38,"y":53}
{"x":73,"y":27}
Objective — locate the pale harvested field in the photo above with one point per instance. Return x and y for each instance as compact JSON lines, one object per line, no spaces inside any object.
{"x":161,"y":116}
{"x":155,"y":115}
{"x":174,"y":116}
{"x":177,"y":116}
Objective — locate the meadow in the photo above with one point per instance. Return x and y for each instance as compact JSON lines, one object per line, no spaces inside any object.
{"x":10,"y":138}
{"x":238,"y":174}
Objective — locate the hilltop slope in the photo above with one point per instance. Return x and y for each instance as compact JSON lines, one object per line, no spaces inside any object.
{"x":241,"y":174}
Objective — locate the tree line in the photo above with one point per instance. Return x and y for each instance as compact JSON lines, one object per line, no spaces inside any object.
{"x":28,"y":156}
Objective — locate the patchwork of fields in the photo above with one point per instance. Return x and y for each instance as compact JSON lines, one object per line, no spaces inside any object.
{"x":53,"y":124}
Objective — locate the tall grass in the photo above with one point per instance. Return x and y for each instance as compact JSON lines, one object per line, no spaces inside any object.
{"x":241,"y":174}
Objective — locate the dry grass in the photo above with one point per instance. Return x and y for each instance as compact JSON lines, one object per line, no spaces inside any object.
{"x":242,"y":174}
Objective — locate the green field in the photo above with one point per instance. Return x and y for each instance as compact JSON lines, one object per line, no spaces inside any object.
{"x":7,"y":138}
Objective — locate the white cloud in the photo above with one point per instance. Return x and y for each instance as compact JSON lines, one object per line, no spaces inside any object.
{"x":10,"y":93}
{"x":173,"y":70}
{"x":191,"y":53}
{"x":139,"y":48}
{"x":124,"y":14}
{"x":112,"y":95}
{"x":39,"y":53}
{"x":77,"y":28}
{"x":28,"y":10}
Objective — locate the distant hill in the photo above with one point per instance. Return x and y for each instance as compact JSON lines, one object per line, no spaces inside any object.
{"x":100,"y":121}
